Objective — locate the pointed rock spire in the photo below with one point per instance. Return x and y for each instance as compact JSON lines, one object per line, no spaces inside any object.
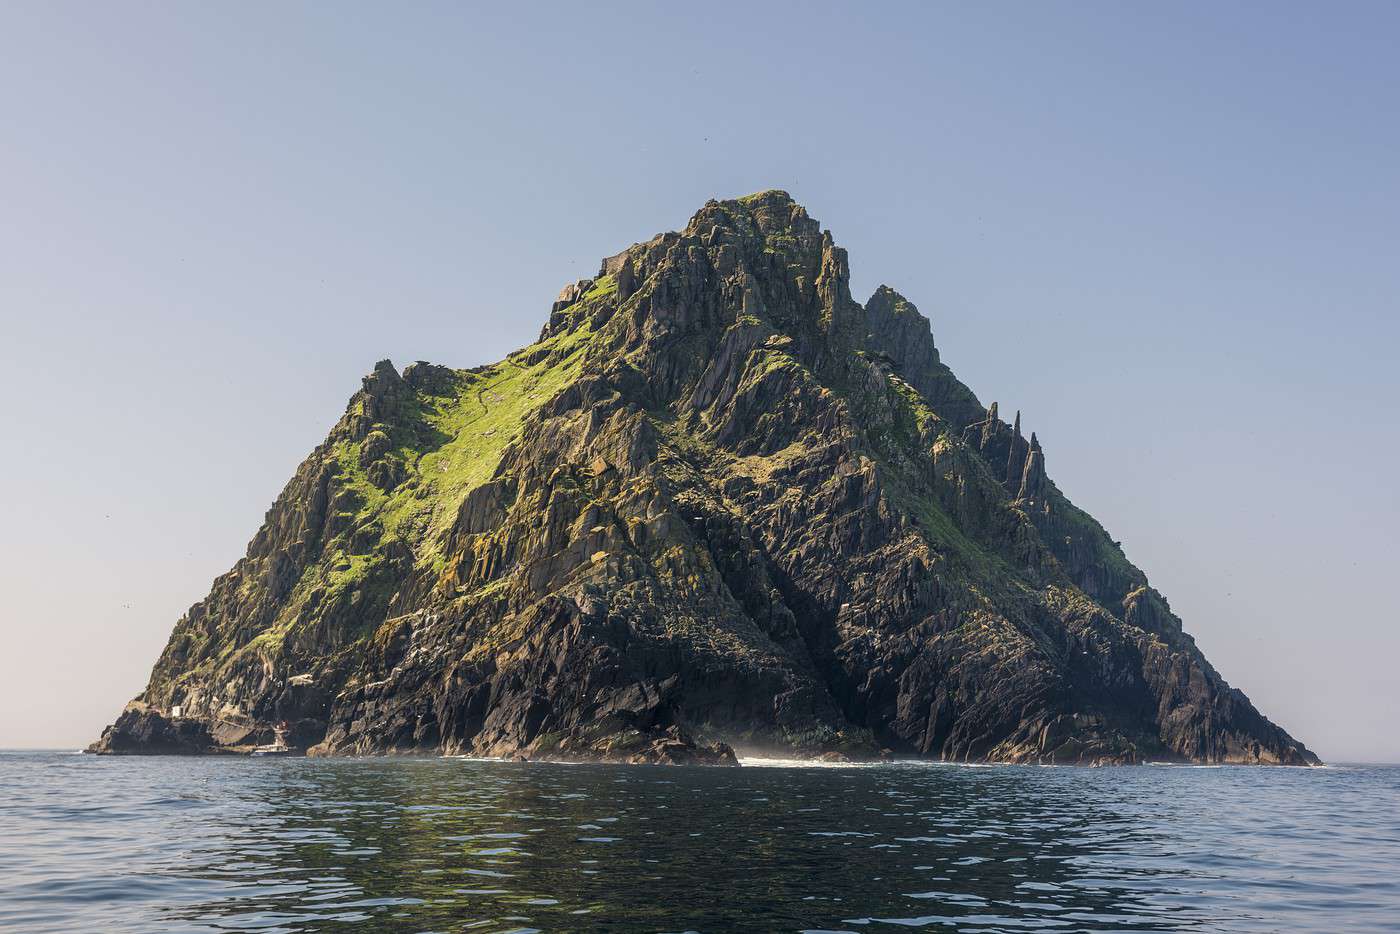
{"x":1033,"y":475}
{"x":990,"y":427}
{"x":841,"y":315}
{"x":1016,"y":456}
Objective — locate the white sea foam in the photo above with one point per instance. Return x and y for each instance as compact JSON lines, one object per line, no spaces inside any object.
{"x":781,"y":763}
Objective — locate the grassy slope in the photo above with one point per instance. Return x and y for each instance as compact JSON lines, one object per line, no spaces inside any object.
{"x":470,"y":428}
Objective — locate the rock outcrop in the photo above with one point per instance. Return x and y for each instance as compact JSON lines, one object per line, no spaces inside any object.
{"x":718,"y":504}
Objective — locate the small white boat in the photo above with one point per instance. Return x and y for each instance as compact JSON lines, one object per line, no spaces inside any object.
{"x":279,"y":746}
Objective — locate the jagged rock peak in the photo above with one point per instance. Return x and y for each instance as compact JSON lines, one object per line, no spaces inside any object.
{"x":383,"y":379}
{"x":717,"y":502}
{"x":774,"y":211}
{"x":772,"y":218}
{"x":1033,"y":474}
{"x":897,"y":330}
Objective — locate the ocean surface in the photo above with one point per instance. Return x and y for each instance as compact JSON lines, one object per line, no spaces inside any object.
{"x":233,"y":844}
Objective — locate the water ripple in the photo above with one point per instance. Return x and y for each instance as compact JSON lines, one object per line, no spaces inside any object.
{"x":189,"y":845}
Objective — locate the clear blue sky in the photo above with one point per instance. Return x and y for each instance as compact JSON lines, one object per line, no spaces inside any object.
{"x":1169,"y":234}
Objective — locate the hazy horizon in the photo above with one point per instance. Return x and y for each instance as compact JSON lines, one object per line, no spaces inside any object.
{"x":1183,"y":276}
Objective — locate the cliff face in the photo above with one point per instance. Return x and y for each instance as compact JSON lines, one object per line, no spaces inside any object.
{"x":718,"y":501}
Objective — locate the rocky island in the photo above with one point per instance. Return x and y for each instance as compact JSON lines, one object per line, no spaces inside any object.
{"x":718,"y":505}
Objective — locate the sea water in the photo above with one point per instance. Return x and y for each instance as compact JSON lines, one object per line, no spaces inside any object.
{"x":415,"y":845}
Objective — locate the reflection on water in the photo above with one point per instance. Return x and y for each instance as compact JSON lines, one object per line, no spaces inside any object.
{"x":453,"y":845}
